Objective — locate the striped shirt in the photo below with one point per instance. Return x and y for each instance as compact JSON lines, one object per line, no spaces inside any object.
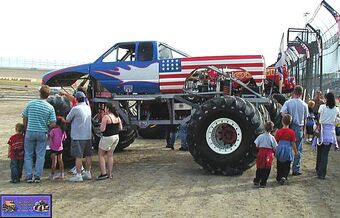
{"x":39,"y":114}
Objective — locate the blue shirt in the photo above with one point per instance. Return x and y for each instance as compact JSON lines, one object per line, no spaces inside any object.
{"x":39,"y":114}
{"x":266,"y":140}
{"x":81,"y":124}
{"x":297,"y":109}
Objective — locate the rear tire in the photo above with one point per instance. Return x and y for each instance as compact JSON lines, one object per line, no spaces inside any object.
{"x":221,"y":135}
{"x":126,"y":138}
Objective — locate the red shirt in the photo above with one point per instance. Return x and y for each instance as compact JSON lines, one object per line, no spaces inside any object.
{"x":285,"y":134}
{"x":16,"y":147}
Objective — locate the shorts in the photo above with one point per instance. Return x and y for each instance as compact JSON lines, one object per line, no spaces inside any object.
{"x":310,"y":130}
{"x":81,"y":148}
{"x":56,"y":152}
{"x":108,"y":143}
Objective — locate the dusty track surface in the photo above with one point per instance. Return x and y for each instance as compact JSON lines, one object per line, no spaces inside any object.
{"x":150,"y":181}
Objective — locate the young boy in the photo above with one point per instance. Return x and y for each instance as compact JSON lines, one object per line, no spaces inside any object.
{"x":266,"y":144}
{"x":285,"y":138}
{"x":16,"y":153}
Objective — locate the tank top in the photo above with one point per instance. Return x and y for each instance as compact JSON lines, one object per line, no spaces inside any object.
{"x":111,"y":129}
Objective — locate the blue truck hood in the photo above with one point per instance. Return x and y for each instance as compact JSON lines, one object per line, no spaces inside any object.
{"x":66,"y":76}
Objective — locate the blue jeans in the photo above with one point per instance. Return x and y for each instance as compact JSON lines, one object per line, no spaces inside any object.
{"x":183,"y":135}
{"x":16,"y":170}
{"x":297,"y":159}
{"x":170,"y":135}
{"x":35,"y":143}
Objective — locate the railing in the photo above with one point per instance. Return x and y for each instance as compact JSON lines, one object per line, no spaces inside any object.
{"x":36,"y":63}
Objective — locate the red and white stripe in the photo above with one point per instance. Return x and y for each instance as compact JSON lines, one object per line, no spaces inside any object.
{"x":173,"y":82}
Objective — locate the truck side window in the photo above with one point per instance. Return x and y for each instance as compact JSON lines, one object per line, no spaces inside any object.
{"x":145,"y":51}
{"x":124,"y":52}
{"x":164,"y":52}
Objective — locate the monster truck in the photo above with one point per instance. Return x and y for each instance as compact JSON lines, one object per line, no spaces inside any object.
{"x":152,"y":83}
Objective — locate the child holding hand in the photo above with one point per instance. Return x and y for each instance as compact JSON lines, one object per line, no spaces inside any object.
{"x":285,"y":138}
{"x":264,"y":159}
{"x":56,"y":137}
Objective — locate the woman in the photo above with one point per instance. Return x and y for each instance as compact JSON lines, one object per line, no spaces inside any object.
{"x":110,"y":126}
{"x":328,"y":113}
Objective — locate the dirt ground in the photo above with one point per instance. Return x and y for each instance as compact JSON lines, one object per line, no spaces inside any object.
{"x":150,"y":181}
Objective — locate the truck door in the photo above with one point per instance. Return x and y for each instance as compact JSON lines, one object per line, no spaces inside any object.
{"x":128,"y":68}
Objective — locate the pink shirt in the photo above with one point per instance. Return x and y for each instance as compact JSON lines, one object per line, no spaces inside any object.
{"x":57,"y":136}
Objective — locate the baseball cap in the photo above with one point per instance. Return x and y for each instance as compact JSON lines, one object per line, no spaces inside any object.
{"x":79,"y":95}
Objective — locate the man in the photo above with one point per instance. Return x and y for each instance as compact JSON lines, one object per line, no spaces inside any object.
{"x":299,"y":111}
{"x":81,"y":136}
{"x":38,"y":116}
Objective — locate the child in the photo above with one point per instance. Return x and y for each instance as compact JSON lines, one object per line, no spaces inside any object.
{"x":266,"y":144}
{"x":56,"y":137}
{"x":285,"y":138}
{"x":16,"y":153}
{"x":310,"y":124}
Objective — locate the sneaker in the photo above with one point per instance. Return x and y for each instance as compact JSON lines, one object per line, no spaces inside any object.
{"x":102,"y":177}
{"x":29,"y":180}
{"x":73,"y":171}
{"x":76,"y":178}
{"x":296,"y":173}
{"x":36,"y":179}
{"x":87,"y":175}
{"x":262,"y":186}
{"x":256,"y":183}
{"x":170,"y":146}
{"x":282,"y":181}
{"x":61,"y":176}
{"x":14,"y":181}
{"x":183,"y":149}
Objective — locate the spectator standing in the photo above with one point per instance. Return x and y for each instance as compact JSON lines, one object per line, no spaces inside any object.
{"x":110,"y":126}
{"x":328,"y":114}
{"x":319,"y":100}
{"x":285,"y":138}
{"x":183,"y":136}
{"x":264,"y":159}
{"x":38,"y":117}
{"x":56,"y":137}
{"x":299,"y":111}
{"x":16,"y":153}
{"x":310,"y":123}
{"x":81,"y":136}
{"x":170,"y":136}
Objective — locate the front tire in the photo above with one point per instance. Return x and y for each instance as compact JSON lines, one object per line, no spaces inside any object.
{"x":221,"y":135}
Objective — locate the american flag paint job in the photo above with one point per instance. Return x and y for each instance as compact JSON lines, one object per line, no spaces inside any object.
{"x":172,"y":81}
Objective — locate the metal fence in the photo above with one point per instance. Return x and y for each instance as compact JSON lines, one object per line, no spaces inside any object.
{"x":32,"y":63}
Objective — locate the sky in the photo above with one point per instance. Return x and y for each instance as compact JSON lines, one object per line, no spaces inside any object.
{"x":83,"y":30}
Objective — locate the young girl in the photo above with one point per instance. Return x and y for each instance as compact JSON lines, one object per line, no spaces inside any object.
{"x":16,"y":153}
{"x":310,"y":122}
{"x":285,"y":138}
{"x":56,"y":136}
{"x":266,"y":144}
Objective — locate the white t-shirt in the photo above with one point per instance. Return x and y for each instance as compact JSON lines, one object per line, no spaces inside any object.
{"x":327,"y":115}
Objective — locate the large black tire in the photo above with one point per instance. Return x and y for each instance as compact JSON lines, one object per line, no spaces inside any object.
{"x":152,"y":132}
{"x":126,"y":138}
{"x":279,"y":98}
{"x":274,"y":109}
{"x":62,"y":106}
{"x":221,"y":135}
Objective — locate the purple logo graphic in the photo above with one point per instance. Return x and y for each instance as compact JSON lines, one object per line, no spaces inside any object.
{"x":26,"y":206}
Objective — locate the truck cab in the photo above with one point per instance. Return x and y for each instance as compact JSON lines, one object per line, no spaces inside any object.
{"x":135,"y":67}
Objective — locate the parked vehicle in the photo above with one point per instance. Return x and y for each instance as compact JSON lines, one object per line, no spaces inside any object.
{"x":151,"y":83}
